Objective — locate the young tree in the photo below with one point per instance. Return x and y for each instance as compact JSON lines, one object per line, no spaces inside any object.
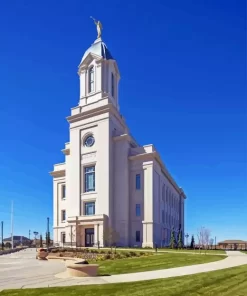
{"x":206,"y":241}
{"x":180,"y":239}
{"x":72,"y":234}
{"x":192,"y":244}
{"x":35,"y":236}
{"x":110,"y":237}
{"x":211,"y":242}
{"x":173,"y":239}
{"x":41,"y":241}
{"x":203,"y":235}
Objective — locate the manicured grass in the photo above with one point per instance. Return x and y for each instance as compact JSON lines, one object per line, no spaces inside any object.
{"x":153,"y":262}
{"x":225,"y":282}
{"x":170,"y":250}
{"x":197,"y":251}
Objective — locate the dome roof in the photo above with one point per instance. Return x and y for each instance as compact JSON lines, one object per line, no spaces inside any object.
{"x":98,"y":48}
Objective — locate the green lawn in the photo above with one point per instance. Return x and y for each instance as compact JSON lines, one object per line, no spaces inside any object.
{"x":170,"y":250}
{"x":225,"y":282}
{"x":153,"y":262}
{"x":197,"y":251}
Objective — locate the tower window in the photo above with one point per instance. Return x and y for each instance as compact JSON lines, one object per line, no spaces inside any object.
{"x":138,"y":210}
{"x":89,"y":208}
{"x":63,"y":218}
{"x":63,"y":191}
{"x":91,"y":80}
{"x":138,"y":182}
{"x":89,"y":175}
{"x":138,"y":236}
{"x":112,"y":85}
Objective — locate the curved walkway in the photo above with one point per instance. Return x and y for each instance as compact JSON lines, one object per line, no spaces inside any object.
{"x":22,"y":270}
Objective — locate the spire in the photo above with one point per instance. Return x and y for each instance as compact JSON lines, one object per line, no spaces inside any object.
{"x":99,"y":74}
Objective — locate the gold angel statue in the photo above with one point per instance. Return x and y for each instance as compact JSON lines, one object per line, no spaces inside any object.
{"x":98,"y":26}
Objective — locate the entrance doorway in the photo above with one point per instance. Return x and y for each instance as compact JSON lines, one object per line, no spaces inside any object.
{"x":89,"y":237}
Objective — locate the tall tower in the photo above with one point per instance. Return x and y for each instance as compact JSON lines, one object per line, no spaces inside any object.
{"x":91,"y":153}
{"x":99,"y":77}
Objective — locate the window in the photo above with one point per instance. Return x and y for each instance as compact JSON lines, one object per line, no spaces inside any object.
{"x":91,"y":80}
{"x":63,"y":191}
{"x":163,"y":193}
{"x":89,"y":184}
{"x":163,"y":216}
{"x":89,"y":141}
{"x":138,"y":236}
{"x":89,"y":208}
{"x":112,"y":85}
{"x":138,"y":181}
{"x":138,"y":210}
{"x":63,"y":237}
{"x":63,"y":215}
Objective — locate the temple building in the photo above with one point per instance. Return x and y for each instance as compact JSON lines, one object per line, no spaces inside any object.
{"x":110,"y":189}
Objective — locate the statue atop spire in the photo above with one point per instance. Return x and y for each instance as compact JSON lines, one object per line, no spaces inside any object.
{"x":98,"y":26}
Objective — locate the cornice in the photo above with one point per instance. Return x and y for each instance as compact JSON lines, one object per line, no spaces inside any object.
{"x":89,"y":58}
{"x":96,"y":111}
{"x":142,"y":156}
{"x":168,"y":176}
{"x":57,"y":174}
{"x":155,"y":155}
{"x":122,"y":137}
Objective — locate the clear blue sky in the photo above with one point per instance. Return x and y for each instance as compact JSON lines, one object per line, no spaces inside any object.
{"x":182,"y":66}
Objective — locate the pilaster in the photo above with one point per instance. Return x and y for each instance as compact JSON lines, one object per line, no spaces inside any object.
{"x":148,"y":233}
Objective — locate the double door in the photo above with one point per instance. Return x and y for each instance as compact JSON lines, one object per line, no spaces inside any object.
{"x":89,"y":237}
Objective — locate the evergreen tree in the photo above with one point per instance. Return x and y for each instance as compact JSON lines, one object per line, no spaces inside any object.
{"x":41,"y":241}
{"x":180,"y":239}
{"x":48,"y":239}
{"x":192,"y":244}
{"x":173,"y":240}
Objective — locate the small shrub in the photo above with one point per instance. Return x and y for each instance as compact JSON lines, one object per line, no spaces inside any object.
{"x":117,"y":256}
{"x":102,"y":252}
{"x":132,"y":254}
{"x":101,"y":258}
{"x":142,"y":254}
{"x":109,"y":252}
{"x":122,"y":256}
{"x":108,"y":256}
{"x":127,"y":254}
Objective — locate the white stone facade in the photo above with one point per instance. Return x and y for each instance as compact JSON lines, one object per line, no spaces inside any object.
{"x":110,"y":184}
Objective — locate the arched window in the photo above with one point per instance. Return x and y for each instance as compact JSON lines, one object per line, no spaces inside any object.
{"x":91,"y":80}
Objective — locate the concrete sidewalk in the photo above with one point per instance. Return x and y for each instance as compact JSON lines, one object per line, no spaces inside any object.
{"x":22,"y":270}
